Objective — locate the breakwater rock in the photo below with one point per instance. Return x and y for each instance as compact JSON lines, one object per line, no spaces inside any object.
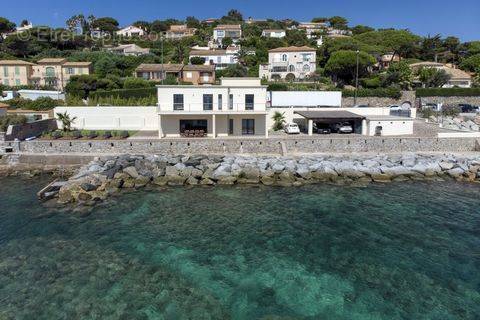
{"x":108,"y":175}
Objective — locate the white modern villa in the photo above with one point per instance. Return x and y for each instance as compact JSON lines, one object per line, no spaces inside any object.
{"x":236,"y":107}
{"x":239,"y":108}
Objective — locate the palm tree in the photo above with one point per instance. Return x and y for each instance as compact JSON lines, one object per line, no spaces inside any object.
{"x":66,"y":121}
{"x":278,"y":120}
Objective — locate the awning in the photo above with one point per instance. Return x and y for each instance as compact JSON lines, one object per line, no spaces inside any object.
{"x":336,"y":115}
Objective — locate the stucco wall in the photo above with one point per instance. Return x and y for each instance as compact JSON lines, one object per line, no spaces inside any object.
{"x":112,"y":118}
{"x":391,"y":128}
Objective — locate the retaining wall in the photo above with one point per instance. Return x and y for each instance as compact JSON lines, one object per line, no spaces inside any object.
{"x":407,"y":96}
{"x":452,"y":100}
{"x":249,"y":146}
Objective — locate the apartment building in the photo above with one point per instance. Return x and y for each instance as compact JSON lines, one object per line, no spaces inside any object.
{"x":51,"y":72}
{"x":312,"y":29}
{"x":222,"y":31}
{"x":15,"y":72}
{"x":236,"y":107}
{"x":290,"y":63}
{"x":195,"y":74}
{"x":179,"y":32}
{"x":274,"y":33}
{"x":221,"y":59}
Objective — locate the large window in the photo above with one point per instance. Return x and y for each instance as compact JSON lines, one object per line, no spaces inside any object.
{"x":220,"y":102}
{"x":248,"y":126}
{"x":249,"y":101}
{"x":17,"y":70}
{"x":230,"y":101}
{"x":5,"y":71}
{"x":189,"y":125}
{"x":230,"y":126}
{"x":306,"y":68}
{"x":50,"y":72}
{"x":291,"y":68}
{"x":208,"y":102}
{"x":178,"y":102}
{"x":284,"y":57}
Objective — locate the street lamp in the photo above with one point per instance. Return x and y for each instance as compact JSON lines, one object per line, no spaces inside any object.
{"x":356,"y":79}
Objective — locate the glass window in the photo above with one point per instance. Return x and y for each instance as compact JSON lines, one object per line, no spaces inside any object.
{"x":230,"y":126}
{"x":306,"y":68}
{"x":230,"y":101}
{"x":17,"y":82}
{"x":5,"y":71}
{"x":248,"y":126}
{"x":178,"y":102}
{"x":291,"y":68}
{"x":17,"y":70}
{"x":220,"y":102}
{"x":249,"y":101}
{"x":284,"y":57}
{"x":5,"y":82}
{"x":208,"y":102}
{"x":50,"y":72}
{"x":70,"y":71}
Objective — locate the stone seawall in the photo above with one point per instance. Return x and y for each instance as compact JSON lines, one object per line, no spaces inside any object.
{"x":451,"y":100}
{"x":302,"y":145}
{"x":106,"y":176}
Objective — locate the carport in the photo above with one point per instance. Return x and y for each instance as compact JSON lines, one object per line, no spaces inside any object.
{"x":332,"y":117}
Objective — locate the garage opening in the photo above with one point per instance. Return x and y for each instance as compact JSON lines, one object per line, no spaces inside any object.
{"x":325,"y":122}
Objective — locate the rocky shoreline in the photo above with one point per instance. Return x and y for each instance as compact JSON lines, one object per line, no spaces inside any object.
{"x":107,"y":176}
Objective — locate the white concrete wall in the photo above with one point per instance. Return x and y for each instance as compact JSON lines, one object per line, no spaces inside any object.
{"x":305,"y":98}
{"x":291,"y":117}
{"x":391,"y":127}
{"x":35,"y":94}
{"x":459,"y":134}
{"x":112,"y":118}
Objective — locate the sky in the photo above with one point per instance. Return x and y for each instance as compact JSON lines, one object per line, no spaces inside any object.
{"x":460,"y":18}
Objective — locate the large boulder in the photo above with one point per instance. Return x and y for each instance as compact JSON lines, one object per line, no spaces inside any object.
{"x":132,"y":172}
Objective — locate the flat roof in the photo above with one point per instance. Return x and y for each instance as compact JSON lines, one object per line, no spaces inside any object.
{"x":388,"y":118}
{"x":329,"y":115}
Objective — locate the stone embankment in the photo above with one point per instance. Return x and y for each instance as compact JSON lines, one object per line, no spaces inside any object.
{"x":460,"y":123}
{"x":109,"y":175}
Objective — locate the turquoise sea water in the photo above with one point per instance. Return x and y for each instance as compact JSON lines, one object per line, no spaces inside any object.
{"x":397,"y":251}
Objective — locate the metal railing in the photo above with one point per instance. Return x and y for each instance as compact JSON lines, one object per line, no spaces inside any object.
{"x":209,"y":107}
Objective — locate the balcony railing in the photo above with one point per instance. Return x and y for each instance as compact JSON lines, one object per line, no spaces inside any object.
{"x":209,"y":107}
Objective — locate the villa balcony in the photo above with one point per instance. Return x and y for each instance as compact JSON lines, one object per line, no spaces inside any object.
{"x":208,"y":108}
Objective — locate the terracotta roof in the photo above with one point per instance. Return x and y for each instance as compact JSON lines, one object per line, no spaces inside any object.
{"x":228,"y":27}
{"x":208,"y":52}
{"x":78,"y":63}
{"x":457,"y":74}
{"x":293,"y":49}
{"x":15,"y":63}
{"x":159,"y":67}
{"x":201,"y":68}
{"x":53,"y":60}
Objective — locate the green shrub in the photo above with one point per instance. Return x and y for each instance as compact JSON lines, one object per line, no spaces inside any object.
{"x":11,"y":119}
{"x":57,"y":135}
{"x":125,"y":93}
{"x":124,"y":134}
{"x":92,"y":135}
{"x":277,"y":87}
{"x":76,"y":134}
{"x":393,"y":93}
{"x":447,"y":92}
{"x":107,"y":135}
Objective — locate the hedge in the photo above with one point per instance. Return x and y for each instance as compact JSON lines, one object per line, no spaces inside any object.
{"x":125,"y":93}
{"x":447,"y":92}
{"x":378,"y":92}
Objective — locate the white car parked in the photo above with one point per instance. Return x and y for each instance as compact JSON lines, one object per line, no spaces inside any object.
{"x":395,"y":108}
{"x":292,"y":128}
